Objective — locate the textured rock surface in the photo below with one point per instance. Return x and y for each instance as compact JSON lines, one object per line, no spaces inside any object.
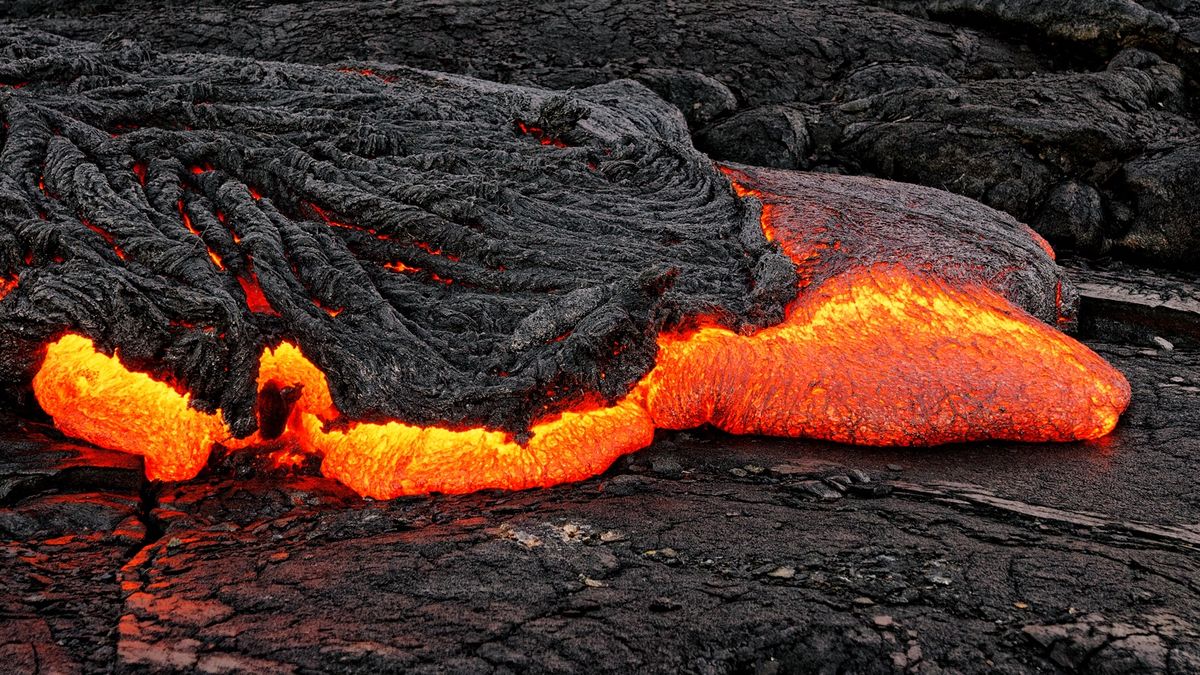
{"x":487,"y":253}
{"x":705,"y":552}
{"x":443,"y":258}
{"x":1077,"y":117}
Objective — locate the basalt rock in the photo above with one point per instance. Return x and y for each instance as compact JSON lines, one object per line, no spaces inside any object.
{"x":1007,"y":101}
{"x":484,"y":252}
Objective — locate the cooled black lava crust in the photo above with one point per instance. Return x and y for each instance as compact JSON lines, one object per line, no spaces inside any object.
{"x":422,"y":237}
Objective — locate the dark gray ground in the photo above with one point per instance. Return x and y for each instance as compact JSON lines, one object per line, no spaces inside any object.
{"x":705,"y":553}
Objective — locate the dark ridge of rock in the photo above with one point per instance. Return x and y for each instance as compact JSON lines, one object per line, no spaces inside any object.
{"x":1101,"y":25}
{"x":766,"y":52}
{"x":1157,"y":309}
{"x":771,"y":136}
{"x":699,"y":97}
{"x":1032,"y":97}
{"x":480,"y":250}
{"x":1096,"y":162}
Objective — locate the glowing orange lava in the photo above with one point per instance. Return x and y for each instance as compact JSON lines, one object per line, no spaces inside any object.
{"x":7,"y":286}
{"x":93,"y":397}
{"x":256,"y":299}
{"x":878,"y":355}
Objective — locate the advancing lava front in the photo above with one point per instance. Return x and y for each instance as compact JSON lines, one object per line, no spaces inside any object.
{"x":437,"y":283}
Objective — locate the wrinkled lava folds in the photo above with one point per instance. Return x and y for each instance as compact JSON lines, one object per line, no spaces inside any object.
{"x":434,"y":283}
{"x":877,"y":354}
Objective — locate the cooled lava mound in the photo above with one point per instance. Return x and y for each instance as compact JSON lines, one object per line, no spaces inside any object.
{"x":437,"y":283}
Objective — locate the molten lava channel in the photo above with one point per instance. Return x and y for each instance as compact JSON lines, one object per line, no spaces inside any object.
{"x":878,"y":355}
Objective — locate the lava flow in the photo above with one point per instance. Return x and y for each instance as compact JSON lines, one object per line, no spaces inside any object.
{"x":878,"y":354}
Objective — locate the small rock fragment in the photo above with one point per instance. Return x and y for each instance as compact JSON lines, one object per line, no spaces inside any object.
{"x":625,"y":485}
{"x":870,"y":490}
{"x":664,"y":604}
{"x":666,"y":467}
{"x":839,"y":483}
{"x":815,"y":488}
{"x":782,"y":572}
{"x":914,"y":653}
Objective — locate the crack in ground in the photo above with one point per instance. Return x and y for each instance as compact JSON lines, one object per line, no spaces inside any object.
{"x":980,"y":502}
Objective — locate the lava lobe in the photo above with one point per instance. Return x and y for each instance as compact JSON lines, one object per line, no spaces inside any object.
{"x":440,"y":284}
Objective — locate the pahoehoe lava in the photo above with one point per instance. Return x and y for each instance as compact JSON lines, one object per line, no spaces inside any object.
{"x":435,"y":267}
{"x":189,"y":210}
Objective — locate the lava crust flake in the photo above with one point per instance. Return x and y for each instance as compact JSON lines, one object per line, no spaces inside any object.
{"x":436,"y":283}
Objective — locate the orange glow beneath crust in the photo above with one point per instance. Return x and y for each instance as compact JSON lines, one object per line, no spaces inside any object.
{"x":89,"y":395}
{"x":1041,"y":241}
{"x":7,"y":286}
{"x":879,"y":355}
{"x":540,"y":134}
{"x":187,"y":222}
{"x":398,"y":266}
{"x":106,"y":236}
{"x":256,"y":300}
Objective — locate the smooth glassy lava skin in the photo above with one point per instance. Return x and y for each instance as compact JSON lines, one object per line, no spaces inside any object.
{"x":878,"y":354}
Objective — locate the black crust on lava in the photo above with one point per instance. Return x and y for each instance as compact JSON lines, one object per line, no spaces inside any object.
{"x":565,"y":261}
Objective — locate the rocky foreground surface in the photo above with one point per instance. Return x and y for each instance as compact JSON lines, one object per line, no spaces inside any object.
{"x":705,"y":553}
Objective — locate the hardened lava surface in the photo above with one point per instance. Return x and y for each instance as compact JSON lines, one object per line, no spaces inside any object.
{"x":446,"y":250}
{"x":402,"y":274}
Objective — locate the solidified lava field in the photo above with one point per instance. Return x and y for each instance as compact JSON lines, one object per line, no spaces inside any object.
{"x":704,"y":552}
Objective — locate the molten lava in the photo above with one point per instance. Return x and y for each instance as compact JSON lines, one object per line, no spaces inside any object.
{"x":878,"y":354}
{"x":90,"y":395}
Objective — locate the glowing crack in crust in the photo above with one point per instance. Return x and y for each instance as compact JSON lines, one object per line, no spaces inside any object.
{"x":874,"y":354}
